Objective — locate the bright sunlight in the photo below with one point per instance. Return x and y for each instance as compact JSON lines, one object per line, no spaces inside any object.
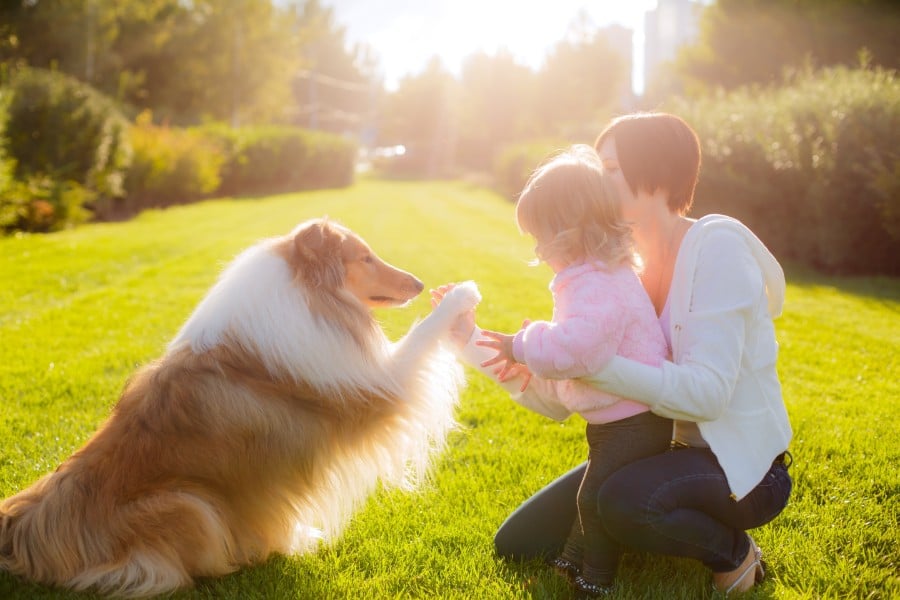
{"x":405,"y":36}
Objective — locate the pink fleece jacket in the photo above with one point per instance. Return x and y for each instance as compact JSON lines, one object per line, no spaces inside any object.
{"x":597,"y":314}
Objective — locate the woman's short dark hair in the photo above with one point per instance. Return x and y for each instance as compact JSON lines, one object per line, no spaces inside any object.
{"x":657,"y":151}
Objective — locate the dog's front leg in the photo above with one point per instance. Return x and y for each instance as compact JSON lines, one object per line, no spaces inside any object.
{"x":426,"y":335}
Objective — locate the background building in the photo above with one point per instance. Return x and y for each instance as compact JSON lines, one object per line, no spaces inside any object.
{"x":620,"y":39}
{"x":667,"y":28}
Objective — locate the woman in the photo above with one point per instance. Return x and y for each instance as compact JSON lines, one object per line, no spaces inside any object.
{"x":716,"y":289}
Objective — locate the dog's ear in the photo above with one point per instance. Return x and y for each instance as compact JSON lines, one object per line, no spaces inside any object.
{"x":317,"y":247}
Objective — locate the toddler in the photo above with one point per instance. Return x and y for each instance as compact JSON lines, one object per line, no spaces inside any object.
{"x":600,"y":309}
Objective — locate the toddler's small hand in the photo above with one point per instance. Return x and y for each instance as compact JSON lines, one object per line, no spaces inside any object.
{"x":500,"y":342}
{"x":511,"y":371}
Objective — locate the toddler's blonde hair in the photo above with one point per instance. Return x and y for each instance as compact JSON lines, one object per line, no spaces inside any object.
{"x":571,"y":209}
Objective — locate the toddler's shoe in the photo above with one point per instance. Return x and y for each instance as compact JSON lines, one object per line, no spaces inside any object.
{"x":586,"y":589}
{"x":565,"y":568}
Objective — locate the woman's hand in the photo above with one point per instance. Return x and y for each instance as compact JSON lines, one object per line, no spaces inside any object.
{"x":462,"y":328}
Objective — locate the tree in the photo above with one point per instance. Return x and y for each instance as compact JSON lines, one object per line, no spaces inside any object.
{"x":422,"y":115}
{"x":186,"y":61}
{"x":581,"y":81}
{"x":496,"y":106}
{"x":755,"y":41}
{"x":225,"y":61}
{"x":335,"y":88}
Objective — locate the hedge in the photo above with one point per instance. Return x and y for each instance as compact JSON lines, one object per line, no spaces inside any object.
{"x":67,"y":154}
{"x":170,"y":166}
{"x":273,"y":159}
{"x":813,"y":166}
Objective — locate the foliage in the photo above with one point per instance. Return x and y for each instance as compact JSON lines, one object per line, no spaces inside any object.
{"x":515,"y":164}
{"x":231,"y":63}
{"x":46,"y":182}
{"x":423,"y":116}
{"x":811,"y":166}
{"x":583,"y":78}
{"x":63,"y":129}
{"x":81,"y":308}
{"x":754,"y":41}
{"x":170,"y":166}
{"x":41,"y":204}
{"x":266,"y":160}
{"x":71,"y":156}
{"x":182,"y":60}
{"x":497,"y":102}
{"x":336,"y":88}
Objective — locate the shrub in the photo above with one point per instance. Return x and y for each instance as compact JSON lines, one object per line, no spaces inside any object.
{"x":38,"y":203}
{"x":515,"y":163}
{"x":169,"y":166}
{"x":811,"y":166}
{"x":61,"y":128}
{"x":41,"y":204}
{"x":265,"y":160}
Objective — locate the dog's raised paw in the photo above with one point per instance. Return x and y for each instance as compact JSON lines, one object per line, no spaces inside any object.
{"x":462,"y":298}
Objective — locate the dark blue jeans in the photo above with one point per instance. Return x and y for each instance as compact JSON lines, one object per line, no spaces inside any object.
{"x":611,"y":446}
{"x":676,"y":503}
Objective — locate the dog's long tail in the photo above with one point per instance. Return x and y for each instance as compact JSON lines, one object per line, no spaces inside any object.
{"x":24,"y":525}
{"x":57,"y":533}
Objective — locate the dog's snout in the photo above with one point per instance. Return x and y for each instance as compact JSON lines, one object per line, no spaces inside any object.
{"x":417,"y":285}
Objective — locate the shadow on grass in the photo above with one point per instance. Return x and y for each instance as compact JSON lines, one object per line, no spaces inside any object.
{"x":13,"y":588}
{"x":640,"y":577}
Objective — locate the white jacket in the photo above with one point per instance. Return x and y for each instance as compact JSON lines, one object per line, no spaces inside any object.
{"x":726,"y":289}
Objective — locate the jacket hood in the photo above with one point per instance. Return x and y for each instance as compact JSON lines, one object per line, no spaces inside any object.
{"x":773,"y":275}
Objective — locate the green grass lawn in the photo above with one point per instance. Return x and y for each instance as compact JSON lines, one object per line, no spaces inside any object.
{"x":81,"y":309}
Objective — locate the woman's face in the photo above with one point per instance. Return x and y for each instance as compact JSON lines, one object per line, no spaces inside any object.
{"x":610,"y":159}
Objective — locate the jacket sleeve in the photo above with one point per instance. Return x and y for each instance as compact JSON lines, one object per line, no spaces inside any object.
{"x":727,"y":288}
{"x":541,"y":395}
{"x":587,"y":330}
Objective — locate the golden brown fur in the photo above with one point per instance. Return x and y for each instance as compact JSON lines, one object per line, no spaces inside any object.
{"x":228,"y":448}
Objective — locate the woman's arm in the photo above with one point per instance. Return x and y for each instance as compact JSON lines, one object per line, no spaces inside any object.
{"x":727,"y":289}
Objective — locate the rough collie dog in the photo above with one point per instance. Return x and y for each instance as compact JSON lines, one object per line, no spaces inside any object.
{"x":273,"y":413}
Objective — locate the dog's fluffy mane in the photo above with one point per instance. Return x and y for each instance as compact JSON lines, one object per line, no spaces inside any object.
{"x":274,"y":412}
{"x":257,"y":306}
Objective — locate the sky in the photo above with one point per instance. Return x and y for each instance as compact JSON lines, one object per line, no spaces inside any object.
{"x":405,"y":34}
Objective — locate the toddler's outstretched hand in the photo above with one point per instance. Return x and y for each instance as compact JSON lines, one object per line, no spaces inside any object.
{"x":503,"y":344}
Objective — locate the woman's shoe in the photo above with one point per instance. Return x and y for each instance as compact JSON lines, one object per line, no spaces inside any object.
{"x":739,"y":580}
{"x":586,"y":589}
{"x":565,"y":568}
